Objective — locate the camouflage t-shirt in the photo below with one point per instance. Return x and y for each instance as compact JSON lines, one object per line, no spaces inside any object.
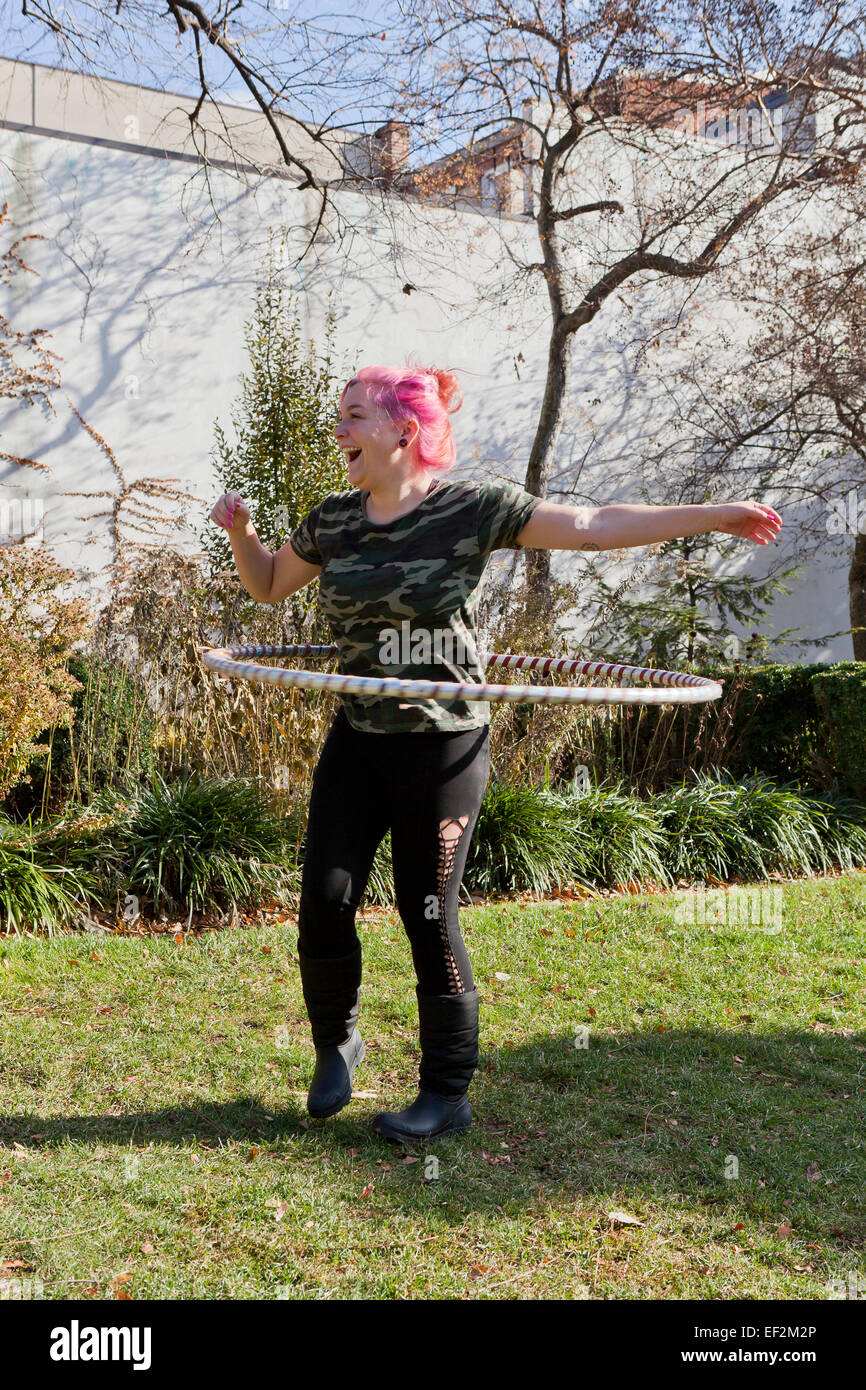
{"x":401,"y":598}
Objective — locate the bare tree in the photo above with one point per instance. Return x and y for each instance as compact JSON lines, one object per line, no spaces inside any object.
{"x":788,"y":414}
{"x":629,"y":134}
{"x":272,"y":57}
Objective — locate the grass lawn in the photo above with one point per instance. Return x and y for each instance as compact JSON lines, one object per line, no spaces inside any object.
{"x":154,"y":1141}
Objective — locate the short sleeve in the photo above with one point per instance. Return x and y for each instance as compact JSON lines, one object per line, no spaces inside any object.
{"x":503,"y":511}
{"x":303,"y":539}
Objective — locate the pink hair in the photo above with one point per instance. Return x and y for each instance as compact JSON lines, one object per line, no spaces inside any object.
{"x":424,"y":394}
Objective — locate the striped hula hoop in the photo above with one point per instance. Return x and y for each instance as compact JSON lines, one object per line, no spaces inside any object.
{"x":662,"y":687}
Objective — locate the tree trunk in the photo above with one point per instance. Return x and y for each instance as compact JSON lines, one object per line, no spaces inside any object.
{"x":857,"y":595}
{"x":541,"y":457}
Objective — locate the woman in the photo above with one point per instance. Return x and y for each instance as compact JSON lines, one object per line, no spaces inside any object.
{"x":401,"y":555}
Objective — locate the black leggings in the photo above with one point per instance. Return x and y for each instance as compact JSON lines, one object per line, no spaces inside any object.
{"x":427,"y":788}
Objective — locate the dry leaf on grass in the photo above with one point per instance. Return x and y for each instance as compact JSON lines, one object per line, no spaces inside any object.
{"x":622,"y":1218}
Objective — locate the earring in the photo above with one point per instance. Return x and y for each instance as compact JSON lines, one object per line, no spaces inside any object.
{"x":403,"y":443}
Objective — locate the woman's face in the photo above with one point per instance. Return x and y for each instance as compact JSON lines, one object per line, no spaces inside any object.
{"x":369,"y":439}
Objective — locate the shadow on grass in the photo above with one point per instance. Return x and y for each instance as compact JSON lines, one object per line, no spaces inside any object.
{"x":769,"y":1124}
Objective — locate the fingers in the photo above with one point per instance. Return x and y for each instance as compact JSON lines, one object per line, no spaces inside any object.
{"x":769,"y":526}
{"x":223,"y":513}
{"x":753,"y":521}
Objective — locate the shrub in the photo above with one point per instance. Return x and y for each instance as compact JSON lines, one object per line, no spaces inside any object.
{"x":623,"y":840}
{"x":379,"y":888}
{"x":710,"y":829}
{"x":108,"y":744}
{"x":792,"y":724}
{"x":840,"y":696}
{"x":284,"y":459}
{"x":525,"y":838}
{"x":719,"y":828}
{"x":39,"y":628}
{"x":703,"y":836}
{"x":36,"y":891}
{"x":842,"y":828}
{"x":205,"y":843}
{"x":161,"y":612}
{"x":198,"y":842}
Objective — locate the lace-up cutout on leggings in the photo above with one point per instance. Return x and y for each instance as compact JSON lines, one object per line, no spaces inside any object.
{"x":427,"y":789}
{"x":447,"y":856}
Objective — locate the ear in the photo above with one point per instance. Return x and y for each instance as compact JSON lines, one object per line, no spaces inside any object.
{"x":410,"y":430}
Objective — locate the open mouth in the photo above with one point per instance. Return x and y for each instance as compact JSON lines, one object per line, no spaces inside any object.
{"x":352,"y":454}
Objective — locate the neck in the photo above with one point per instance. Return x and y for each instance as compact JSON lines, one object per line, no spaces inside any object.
{"x":386,"y":502}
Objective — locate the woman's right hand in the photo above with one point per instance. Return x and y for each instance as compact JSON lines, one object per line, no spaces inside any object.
{"x":230,"y":508}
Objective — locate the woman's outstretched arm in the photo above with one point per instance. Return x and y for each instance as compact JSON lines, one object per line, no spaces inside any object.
{"x":555,"y":526}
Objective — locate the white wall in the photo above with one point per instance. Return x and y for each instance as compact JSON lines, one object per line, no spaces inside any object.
{"x":147,"y":296}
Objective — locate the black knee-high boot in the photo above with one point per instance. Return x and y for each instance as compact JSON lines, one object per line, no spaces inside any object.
{"x":448,"y":1031}
{"x":332,"y":993}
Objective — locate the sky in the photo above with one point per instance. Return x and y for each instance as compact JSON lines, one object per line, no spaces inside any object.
{"x":289,"y":35}
{"x":169,"y":65}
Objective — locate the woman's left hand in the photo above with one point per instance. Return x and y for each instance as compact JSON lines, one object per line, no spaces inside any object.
{"x":752,"y":521}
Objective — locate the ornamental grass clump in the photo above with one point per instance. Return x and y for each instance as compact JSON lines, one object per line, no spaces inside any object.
{"x":717,"y":827}
{"x":525,"y":838}
{"x":37,"y":893}
{"x":198,"y":842}
{"x":620,"y":835}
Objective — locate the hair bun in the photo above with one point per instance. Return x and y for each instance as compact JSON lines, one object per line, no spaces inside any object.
{"x":449,"y":388}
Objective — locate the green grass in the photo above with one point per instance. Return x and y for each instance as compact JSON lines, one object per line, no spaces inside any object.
{"x":153,"y":1120}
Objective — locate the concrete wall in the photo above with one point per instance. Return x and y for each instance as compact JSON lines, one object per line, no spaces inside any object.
{"x":76,"y":106}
